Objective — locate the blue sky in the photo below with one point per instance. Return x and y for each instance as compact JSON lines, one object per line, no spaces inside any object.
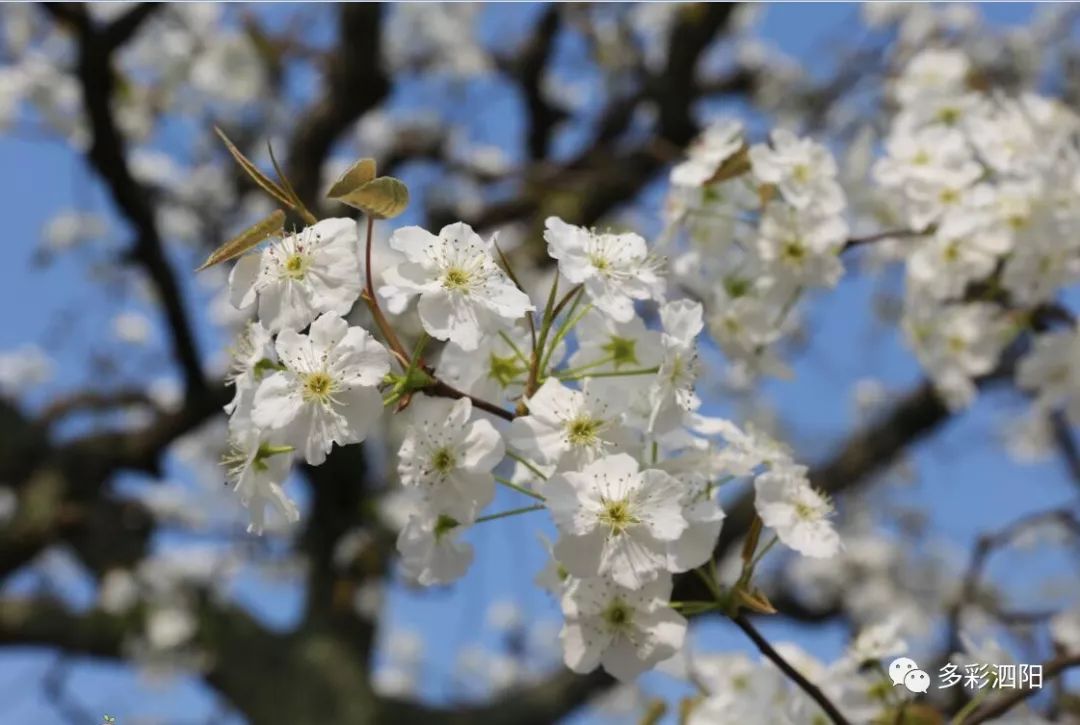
{"x":972,"y":485}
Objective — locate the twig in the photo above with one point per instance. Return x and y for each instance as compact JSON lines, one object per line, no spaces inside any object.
{"x":442,"y":389}
{"x":804,"y":684}
{"x":881,"y":236}
{"x":1050,"y":669}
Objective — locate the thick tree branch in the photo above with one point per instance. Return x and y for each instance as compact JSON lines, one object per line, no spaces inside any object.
{"x":355,"y":83}
{"x":108,"y":156}
{"x":528,"y":69}
{"x":47,"y":622}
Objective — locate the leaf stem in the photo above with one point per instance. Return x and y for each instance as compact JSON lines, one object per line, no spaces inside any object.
{"x":527,"y":463}
{"x":611,"y":374}
{"x":511,"y":512}
{"x":538,"y":348}
{"x":373,"y":303}
{"x":520,"y":489}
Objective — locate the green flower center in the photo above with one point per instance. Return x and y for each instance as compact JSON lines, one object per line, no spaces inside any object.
{"x":317,"y":387}
{"x":952,"y":252}
{"x":445,"y":524}
{"x":617,"y":515}
{"x":617,"y":614}
{"x":949,"y":116}
{"x":443,"y":461}
{"x":296,"y":265}
{"x":583,"y":431}
{"x":456,"y":278}
{"x":600,"y":263}
{"x":809,"y":511}
{"x":794,"y":251}
{"x":504,"y":370}
{"x":736,"y":286}
{"x":622,"y":350}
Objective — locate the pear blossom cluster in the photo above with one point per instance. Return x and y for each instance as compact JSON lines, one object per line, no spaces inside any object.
{"x":305,"y":380}
{"x":766,"y":221}
{"x":577,"y":384}
{"x":985,"y":184}
{"x":609,"y":439}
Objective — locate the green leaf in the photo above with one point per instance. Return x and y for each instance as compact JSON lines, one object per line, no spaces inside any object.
{"x":357,"y":175}
{"x":253,"y":171}
{"x":735,"y":165}
{"x":246,"y":239}
{"x":294,"y":199}
{"x":381,"y":198}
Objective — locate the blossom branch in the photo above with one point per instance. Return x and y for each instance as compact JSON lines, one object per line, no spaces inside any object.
{"x":804,"y":684}
{"x":442,"y":389}
{"x":881,"y":236}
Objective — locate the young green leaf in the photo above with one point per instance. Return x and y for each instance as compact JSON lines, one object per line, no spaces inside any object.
{"x":257,"y":176}
{"x":736,"y":165}
{"x":246,"y":239}
{"x":294,"y":199}
{"x":381,"y":198}
{"x":357,"y":175}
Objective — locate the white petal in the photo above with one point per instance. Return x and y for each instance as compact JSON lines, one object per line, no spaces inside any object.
{"x":361,"y":408}
{"x":484,"y":447}
{"x":580,"y":555}
{"x":583,"y":645}
{"x":277,"y":402}
{"x":328,"y":330}
{"x":414,"y":242}
{"x":242,"y":280}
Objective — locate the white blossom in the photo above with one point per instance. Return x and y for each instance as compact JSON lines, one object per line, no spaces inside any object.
{"x":463,"y":293}
{"x":789,"y":505}
{"x":1051,"y":370}
{"x":672,"y":392}
{"x":448,"y":458}
{"x":615,"y":520}
{"x":627,"y":631}
{"x":256,"y":466}
{"x":615,"y":269}
{"x":431,"y":550}
{"x":570,"y":428}
{"x":301,"y":276}
{"x":616,"y":346}
{"x":717,"y":144}
{"x":804,"y":171}
{"x":326,"y":394}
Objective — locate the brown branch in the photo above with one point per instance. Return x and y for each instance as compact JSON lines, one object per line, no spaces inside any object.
{"x":92,"y":401}
{"x":1066,"y":444}
{"x":1050,"y":669}
{"x":881,"y":236}
{"x":124,"y":27}
{"x":442,"y":389}
{"x":985,"y":546}
{"x":46,"y":622}
{"x":354,"y":83}
{"x":793,"y":674}
{"x":108,"y":156}
{"x":528,"y":69}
